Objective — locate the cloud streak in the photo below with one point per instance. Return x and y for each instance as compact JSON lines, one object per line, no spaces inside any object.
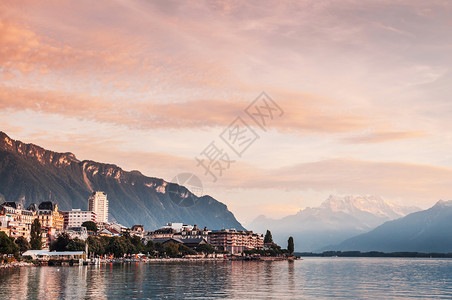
{"x":300,"y":116}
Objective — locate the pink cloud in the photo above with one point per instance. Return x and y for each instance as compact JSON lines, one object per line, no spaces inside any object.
{"x":300,"y":116}
{"x":383,"y":136}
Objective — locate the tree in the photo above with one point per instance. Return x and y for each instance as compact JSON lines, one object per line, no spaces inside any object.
{"x":23,"y":244}
{"x":184,"y":250}
{"x":36,"y":235}
{"x":7,"y":245}
{"x":290,"y":245}
{"x":60,"y":244}
{"x":96,"y":245}
{"x":205,"y":248}
{"x":138,"y":244}
{"x":150,"y":247}
{"x":171,"y":249}
{"x":268,"y":237}
{"x":76,"y":245}
{"x":90,"y":225}
{"x":116,"y":247}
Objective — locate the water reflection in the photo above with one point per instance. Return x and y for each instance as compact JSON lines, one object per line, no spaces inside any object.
{"x":310,"y":278}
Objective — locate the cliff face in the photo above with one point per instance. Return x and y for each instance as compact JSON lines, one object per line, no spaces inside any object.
{"x":28,"y":173}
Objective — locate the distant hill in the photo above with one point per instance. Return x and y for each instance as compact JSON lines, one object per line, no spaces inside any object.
{"x":424,"y":231}
{"x":28,"y":173}
{"x":336,"y":219}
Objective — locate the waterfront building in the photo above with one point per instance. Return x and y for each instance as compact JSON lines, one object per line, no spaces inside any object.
{"x":51,"y":221}
{"x":137,"y":230}
{"x":49,"y":215}
{"x":47,"y":255}
{"x":79,"y":232}
{"x":16,"y":220}
{"x":178,"y":227}
{"x":193,"y":233}
{"x":110,"y":233}
{"x":98,"y":203}
{"x":171,"y":229}
{"x":189,"y":242}
{"x":162,"y":233}
{"x":116,"y":227}
{"x":76,"y":217}
{"x":235,"y":241}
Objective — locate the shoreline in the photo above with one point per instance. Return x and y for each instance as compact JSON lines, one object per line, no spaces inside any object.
{"x":125,"y":261}
{"x":16,"y":264}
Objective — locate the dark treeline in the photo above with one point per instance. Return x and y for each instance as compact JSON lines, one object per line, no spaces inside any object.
{"x":373,"y":254}
{"x":126,"y":245}
{"x":274,"y":250}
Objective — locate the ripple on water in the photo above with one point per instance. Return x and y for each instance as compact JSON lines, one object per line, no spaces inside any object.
{"x":339,"y":278}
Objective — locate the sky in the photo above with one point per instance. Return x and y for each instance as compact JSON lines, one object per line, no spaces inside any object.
{"x":357,"y":94}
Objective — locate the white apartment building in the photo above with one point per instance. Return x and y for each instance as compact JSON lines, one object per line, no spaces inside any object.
{"x":76,"y":217}
{"x":98,"y":203}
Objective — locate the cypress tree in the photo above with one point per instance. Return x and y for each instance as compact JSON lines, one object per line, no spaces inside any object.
{"x":290,"y":245}
{"x":36,"y":235}
{"x":268,"y":237}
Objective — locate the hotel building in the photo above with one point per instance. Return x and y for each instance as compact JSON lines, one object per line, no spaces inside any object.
{"x":235,"y":241}
{"x":98,"y":203}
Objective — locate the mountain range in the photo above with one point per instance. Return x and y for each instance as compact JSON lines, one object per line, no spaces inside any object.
{"x":335,"y":220}
{"x":426,"y":231}
{"x":29,"y":174}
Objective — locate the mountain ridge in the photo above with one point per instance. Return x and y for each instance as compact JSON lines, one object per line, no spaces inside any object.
{"x":28,"y":173}
{"x":335,"y":219}
{"x":423,"y":231}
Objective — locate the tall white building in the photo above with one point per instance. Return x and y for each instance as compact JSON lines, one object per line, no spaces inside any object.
{"x":98,"y":203}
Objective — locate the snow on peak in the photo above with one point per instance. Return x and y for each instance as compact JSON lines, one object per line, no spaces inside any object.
{"x":371,"y":204}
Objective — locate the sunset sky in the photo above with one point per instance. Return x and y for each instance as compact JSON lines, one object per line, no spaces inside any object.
{"x":365,"y":89}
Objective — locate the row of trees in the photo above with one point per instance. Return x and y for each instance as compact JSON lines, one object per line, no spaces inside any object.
{"x":119,"y":246}
{"x":274,"y":249}
{"x":127,"y":245}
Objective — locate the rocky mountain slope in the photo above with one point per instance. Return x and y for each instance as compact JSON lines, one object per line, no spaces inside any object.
{"x":28,"y":173}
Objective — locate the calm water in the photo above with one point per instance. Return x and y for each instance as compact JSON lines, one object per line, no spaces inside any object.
{"x":339,"y":278}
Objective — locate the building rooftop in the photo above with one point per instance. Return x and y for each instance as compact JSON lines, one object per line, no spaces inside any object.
{"x":32,"y":207}
{"x":15,"y":205}
{"x":53,"y":253}
{"x":47,"y":205}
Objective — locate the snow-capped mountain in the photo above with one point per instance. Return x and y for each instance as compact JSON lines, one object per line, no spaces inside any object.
{"x":336,"y":219}
{"x":424,"y":231}
{"x":371,"y":204}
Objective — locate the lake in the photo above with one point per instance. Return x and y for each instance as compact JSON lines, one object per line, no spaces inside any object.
{"x":311,"y":278}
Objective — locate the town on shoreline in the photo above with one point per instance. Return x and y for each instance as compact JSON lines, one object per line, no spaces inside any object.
{"x":43,"y":234}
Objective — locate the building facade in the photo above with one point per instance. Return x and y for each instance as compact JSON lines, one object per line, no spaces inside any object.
{"x":76,"y":217}
{"x":51,"y":221}
{"x":193,"y":233}
{"x":98,"y":203}
{"x":235,"y":241}
{"x":49,"y":216}
{"x":16,"y":220}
